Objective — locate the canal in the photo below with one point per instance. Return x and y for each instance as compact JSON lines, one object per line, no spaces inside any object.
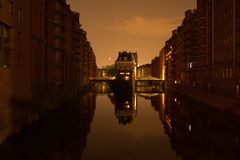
{"x":104,"y":125}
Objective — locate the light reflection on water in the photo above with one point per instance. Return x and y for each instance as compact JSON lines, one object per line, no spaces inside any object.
{"x":119,"y":132}
{"x":122,"y":126}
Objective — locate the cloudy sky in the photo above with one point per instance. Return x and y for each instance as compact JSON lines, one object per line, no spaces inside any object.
{"x":131,"y":25}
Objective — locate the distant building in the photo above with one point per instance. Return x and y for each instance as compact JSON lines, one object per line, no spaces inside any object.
{"x":162,"y":68}
{"x":144,"y":70}
{"x":158,"y":65}
{"x":171,"y":48}
{"x":155,"y":67}
{"x":126,"y":66}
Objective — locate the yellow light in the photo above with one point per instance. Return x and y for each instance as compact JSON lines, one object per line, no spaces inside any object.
{"x":163,"y":73}
{"x":175,"y":99}
{"x":126,"y":78}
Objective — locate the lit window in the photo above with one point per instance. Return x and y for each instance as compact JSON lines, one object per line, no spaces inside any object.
{"x":190,"y":65}
{"x":126,"y":78}
{"x":10,"y":8}
{"x":189,"y":127}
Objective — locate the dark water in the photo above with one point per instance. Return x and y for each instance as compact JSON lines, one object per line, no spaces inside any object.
{"x":123,"y":126}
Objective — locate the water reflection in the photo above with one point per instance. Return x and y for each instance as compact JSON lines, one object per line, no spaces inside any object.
{"x":152,"y":126}
{"x":101,"y":88}
{"x":14,"y":118}
{"x":60,"y":135}
{"x":197,"y":131}
{"x":125,"y":106}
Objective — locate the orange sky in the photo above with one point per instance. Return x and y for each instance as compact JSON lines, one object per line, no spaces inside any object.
{"x":131,"y":25}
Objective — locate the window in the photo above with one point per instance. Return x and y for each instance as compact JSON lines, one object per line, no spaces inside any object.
{"x":1,"y":32}
{"x":1,"y":55}
{"x":1,"y":5}
{"x":230,"y":73}
{"x":19,"y":16}
{"x":223,"y":73}
{"x":6,"y":57}
{"x":10,"y":8}
{"x":190,"y":65}
{"x":5,"y":34}
{"x":227,"y":73}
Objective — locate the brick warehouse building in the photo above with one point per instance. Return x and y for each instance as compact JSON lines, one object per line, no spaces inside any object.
{"x":155,"y":67}
{"x":41,"y":57}
{"x":211,"y":60}
{"x":216,"y":66}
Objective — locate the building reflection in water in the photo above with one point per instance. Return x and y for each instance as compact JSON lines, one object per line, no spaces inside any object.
{"x":197,"y":131}
{"x":14,"y":118}
{"x":126,"y":103}
{"x":125,"y":106}
{"x":62,"y":134}
{"x":101,"y":87}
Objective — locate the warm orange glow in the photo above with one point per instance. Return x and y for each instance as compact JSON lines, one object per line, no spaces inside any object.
{"x":141,"y":26}
{"x":163,"y":101}
{"x":163,"y":73}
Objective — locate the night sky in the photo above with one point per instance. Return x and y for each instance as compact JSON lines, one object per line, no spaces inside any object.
{"x":131,"y":25}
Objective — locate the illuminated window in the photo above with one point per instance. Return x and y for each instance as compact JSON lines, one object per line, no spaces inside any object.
{"x":190,"y":65}
{"x":126,"y":78}
{"x":10,"y":8}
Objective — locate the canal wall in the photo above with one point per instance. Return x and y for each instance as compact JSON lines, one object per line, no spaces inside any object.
{"x":226,"y":103}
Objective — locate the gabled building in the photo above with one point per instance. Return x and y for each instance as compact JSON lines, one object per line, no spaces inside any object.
{"x":126,"y":66}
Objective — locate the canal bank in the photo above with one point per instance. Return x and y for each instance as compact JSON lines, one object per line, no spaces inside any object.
{"x":229,"y":104}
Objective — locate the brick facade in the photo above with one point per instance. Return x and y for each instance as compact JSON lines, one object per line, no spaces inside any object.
{"x":42,"y":50}
{"x":203,"y":53}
